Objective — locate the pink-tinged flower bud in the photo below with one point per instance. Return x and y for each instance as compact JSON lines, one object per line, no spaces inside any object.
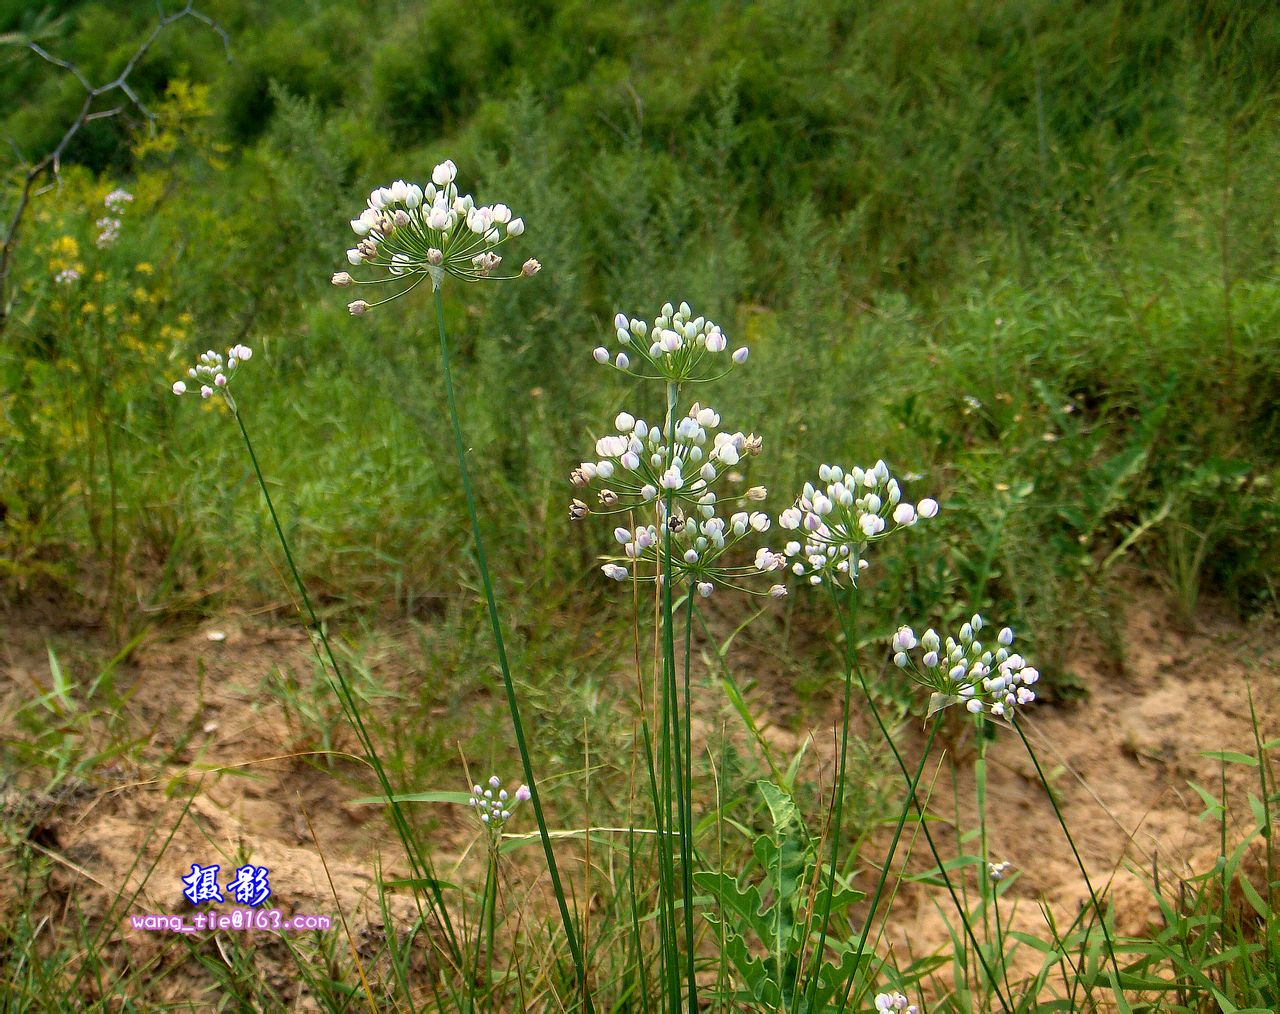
{"x":438,"y":219}
{"x":614,"y":572}
{"x":904,"y":514}
{"x":179,"y":387}
{"x":357,"y":308}
{"x":531,"y":268}
{"x":206,"y":391}
{"x":740,"y":356}
{"x":434,"y":257}
{"x":778,"y":591}
{"x":341,"y":278}
{"x":515,"y":227}
{"x":523,"y":795}
{"x":220,"y":380}
{"x":927,"y":508}
{"x":445,"y":173}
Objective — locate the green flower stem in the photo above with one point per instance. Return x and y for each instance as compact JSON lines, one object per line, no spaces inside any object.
{"x":687,"y":842}
{"x":514,"y":706}
{"x":888,"y":860}
{"x":672,"y":731}
{"x":837,"y":819}
{"x":924,"y":823}
{"x":1097,"y":907}
{"x":421,"y":867}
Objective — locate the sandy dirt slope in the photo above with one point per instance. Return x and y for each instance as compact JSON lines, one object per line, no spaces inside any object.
{"x":219,"y":748}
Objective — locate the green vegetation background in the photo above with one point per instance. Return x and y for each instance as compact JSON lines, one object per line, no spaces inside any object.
{"x":1026,"y":251}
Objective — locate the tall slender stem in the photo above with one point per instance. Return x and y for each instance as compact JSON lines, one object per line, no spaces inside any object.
{"x":837,"y":817}
{"x":687,"y":841}
{"x":924,"y":823}
{"x":500,"y":645}
{"x":421,"y":868}
{"x":1093,"y":896}
{"x":912,"y":786}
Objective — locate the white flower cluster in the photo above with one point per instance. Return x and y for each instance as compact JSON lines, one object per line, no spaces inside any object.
{"x":214,"y":372}
{"x":841,"y":519}
{"x":494,"y":805}
{"x":677,"y":347}
{"x":640,"y":465}
{"x":109,"y":225}
{"x":998,"y":871}
{"x":960,"y":670}
{"x":698,"y":546}
{"x":67,"y":276}
{"x":413,"y":232}
{"x":894,"y":1002}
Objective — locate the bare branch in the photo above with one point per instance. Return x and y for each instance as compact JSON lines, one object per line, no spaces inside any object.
{"x":50,"y":165}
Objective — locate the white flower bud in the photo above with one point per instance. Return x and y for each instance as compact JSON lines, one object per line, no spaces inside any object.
{"x":341,"y":278}
{"x":927,"y":508}
{"x":179,"y":387}
{"x":1005,"y":636}
{"x":601,"y":354}
{"x":357,"y":308}
{"x":515,"y":227}
{"x":705,"y":588}
{"x":445,"y":173}
{"x":740,"y":356}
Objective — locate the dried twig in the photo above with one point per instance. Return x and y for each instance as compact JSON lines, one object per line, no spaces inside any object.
{"x":49,"y":166}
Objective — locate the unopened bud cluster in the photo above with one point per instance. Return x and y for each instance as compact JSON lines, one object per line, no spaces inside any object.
{"x":641,"y":464}
{"x":213,"y":371}
{"x":962,"y":670}
{"x":699,"y":544}
{"x":676,"y":347}
{"x":840,"y":519}
{"x":494,"y":805}
{"x":410,"y":232}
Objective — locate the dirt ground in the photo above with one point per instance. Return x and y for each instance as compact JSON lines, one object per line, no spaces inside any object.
{"x":219,"y":749}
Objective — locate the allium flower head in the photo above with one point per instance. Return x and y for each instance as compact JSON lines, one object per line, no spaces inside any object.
{"x":962,"y":670}
{"x":677,"y":347}
{"x":67,"y":276}
{"x":494,"y":805}
{"x":643,"y":464}
{"x":894,"y":1002}
{"x":701,"y":547}
{"x":409,"y":232}
{"x":838,"y":519}
{"x":214,"y":372}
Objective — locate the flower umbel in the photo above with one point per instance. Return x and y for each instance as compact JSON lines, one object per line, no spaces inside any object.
{"x":494,"y":805}
{"x":639,"y":465}
{"x":213,"y":372}
{"x":961,"y":670}
{"x":410,"y":232}
{"x":840,"y":520}
{"x":677,"y":348}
